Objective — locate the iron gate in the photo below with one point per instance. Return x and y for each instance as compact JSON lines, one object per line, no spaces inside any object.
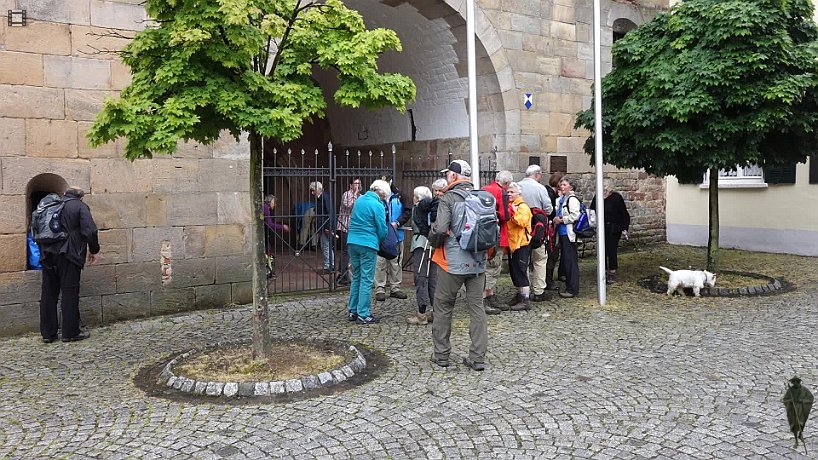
{"x":294,"y":252}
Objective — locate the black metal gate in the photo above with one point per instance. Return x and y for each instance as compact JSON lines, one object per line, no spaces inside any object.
{"x":294,"y":249}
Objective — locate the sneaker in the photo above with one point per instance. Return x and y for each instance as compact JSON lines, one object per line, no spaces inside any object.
{"x":442,"y":362}
{"x":368,"y":320}
{"x":398,"y":295}
{"x":566,"y":295}
{"x":77,"y":338}
{"x":515,"y":300}
{"x":523,"y":305}
{"x":474,"y":365}
{"x":351,"y":316}
{"x":418,"y":319}
{"x":380,"y":296}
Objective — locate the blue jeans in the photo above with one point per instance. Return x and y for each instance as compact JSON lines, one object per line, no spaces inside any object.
{"x":363,"y":273}
{"x":328,"y":250}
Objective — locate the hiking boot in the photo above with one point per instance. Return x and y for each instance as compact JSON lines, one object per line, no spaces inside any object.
{"x":474,"y":365}
{"x":492,"y":310}
{"x":514,"y":300}
{"x":442,"y":362}
{"x":398,"y":295}
{"x":351,"y":316}
{"x":523,"y":305}
{"x":430,"y":317}
{"x":368,"y":320}
{"x":418,"y":319}
{"x":380,"y":296}
{"x":493,"y":302}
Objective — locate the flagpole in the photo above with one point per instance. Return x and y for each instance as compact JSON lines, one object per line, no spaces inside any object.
{"x":600,"y":205}
{"x":472,"y":70}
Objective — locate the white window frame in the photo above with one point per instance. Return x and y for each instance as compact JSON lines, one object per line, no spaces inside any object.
{"x":751,"y":176}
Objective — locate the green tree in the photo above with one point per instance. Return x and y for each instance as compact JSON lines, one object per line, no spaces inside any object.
{"x":713,"y":84}
{"x":245,"y":66}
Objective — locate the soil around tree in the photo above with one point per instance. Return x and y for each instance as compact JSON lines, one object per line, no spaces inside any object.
{"x":729,"y":283}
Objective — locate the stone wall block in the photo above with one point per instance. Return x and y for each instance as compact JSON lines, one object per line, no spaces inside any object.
{"x":573,"y":68}
{"x":68,"y":11}
{"x":13,"y":248}
{"x":75,"y":72}
{"x":242,"y":293}
{"x":221,"y":176}
{"x":21,"y":68}
{"x":115,"y":246}
{"x":95,"y":42}
{"x":84,"y":150}
{"x":20,"y":286}
{"x":226,"y":147}
{"x":192,"y":150}
{"x":192,"y":272}
{"x":511,"y":39}
{"x":124,"y":16}
{"x":19,"y":318}
{"x":120,"y":75}
{"x":213,"y":296}
{"x":192,"y":209}
{"x":176,"y":175}
{"x":13,"y":218}
{"x":148,"y":241}
{"x":91,"y":309}
{"x":156,"y":210}
{"x":234,"y":208}
{"x":233,"y":269}
{"x":561,"y":124}
{"x":12,"y":137}
{"x":564,"y":13}
{"x":224,"y":240}
{"x":165,"y":301}
{"x":48,"y":38}
{"x":84,"y":105}
{"x":51,"y":138}
{"x":31,"y":102}
{"x":119,"y":307}
{"x":98,"y":280}
{"x":18,"y":171}
{"x":121,"y":175}
{"x":194,"y":241}
{"x":117,"y":210}
{"x":138,"y":277}
{"x":525,"y":23}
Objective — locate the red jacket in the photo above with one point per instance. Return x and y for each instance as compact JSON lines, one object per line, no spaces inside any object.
{"x":502,"y":210}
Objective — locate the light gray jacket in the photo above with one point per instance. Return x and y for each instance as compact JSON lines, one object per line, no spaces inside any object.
{"x":535,"y":195}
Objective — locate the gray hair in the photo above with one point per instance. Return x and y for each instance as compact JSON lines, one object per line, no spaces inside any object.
{"x":439,"y":184}
{"x":382,"y":188}
{"x":504,"y":177}
{"x":269,"y":198}
{"x":533,"y":169}
{"x":316,"y":186}
{"x":75,"y":192}
{"x":570,"y":181}
{"x":422,"y":192}
{"x":514,"y":187}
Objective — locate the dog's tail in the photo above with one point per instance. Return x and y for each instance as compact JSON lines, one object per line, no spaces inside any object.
{"x":669,"y":271}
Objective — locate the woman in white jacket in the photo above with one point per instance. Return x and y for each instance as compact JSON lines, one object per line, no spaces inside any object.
{"x":567,"y":214}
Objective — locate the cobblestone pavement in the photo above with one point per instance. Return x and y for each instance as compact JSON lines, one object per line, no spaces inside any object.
{"x":645,"y":377}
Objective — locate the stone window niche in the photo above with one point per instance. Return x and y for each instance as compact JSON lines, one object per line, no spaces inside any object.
{"x":38,"y":187}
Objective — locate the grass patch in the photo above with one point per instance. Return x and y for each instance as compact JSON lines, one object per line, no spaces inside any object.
{"x":236,"y":363}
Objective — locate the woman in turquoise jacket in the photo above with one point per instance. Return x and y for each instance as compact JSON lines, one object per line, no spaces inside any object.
{"x":367,"y":228}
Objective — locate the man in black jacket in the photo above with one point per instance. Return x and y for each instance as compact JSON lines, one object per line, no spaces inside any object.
{"x":62,"y":266}
{"x":325,"y":224}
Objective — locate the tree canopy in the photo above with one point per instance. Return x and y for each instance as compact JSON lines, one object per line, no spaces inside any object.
{"x":710,"y":85}
{"x":243,"y":65}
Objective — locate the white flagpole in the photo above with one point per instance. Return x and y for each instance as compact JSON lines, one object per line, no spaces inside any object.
{"x":472,"y":69}
{"x":600,"y":205}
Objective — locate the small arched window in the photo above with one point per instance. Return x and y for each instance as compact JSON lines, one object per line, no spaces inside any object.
{"x":621,"y":27}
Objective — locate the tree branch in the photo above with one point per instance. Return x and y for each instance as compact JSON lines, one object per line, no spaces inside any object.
{"x":283,"y":42}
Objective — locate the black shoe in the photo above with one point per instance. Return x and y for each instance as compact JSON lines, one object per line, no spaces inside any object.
{"x":398,"y":295}
{"x":552,"y":287}
{"x":368,"y":320}
{"x":474,"y":365}
{"x":491,"y":310}
{"x":380,"y":296}
{"x":51,"y":339}
{"x":523,"y":305}
{"x":493,"y":302}
{"x":442,"y":362}
{"x":352,"y":316}
{"x":541,"y":297}
{"x":77,"y":338}
{"x":515,"y":300}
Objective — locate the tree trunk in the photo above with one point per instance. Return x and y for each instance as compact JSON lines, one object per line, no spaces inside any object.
{"x":262,"y":347}
{"x":713,"y":227}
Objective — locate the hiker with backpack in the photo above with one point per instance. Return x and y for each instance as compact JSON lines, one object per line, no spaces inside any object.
{"x":568,"y":213}
{"x":552,"y":247}
{"x":67,"y":235}
{"x":424,"y":213}
{"x":499,"y":189}
{"x":536,"y":196}
{"x":519,"y":237}
{"x":617,"y":221}
{"x":462,"y":261}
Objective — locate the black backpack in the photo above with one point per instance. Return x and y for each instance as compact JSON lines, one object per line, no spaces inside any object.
{"x":539,"y":222}
{"x":46,"y":227}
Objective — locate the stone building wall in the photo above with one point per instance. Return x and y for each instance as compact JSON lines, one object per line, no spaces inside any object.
{"x":195,"y":204}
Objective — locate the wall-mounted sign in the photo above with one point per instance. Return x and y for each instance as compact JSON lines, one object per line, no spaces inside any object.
{"x":528,"y":101}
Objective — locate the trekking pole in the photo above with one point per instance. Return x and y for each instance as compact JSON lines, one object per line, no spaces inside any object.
{"x":423,"y":256}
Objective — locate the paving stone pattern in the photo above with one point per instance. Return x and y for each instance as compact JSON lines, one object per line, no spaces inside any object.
{"x":658,"y":378}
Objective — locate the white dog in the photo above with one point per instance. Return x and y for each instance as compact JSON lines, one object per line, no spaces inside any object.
{"x":696,"y":279}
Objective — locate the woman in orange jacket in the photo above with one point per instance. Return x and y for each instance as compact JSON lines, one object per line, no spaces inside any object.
{"x":519,"y":235}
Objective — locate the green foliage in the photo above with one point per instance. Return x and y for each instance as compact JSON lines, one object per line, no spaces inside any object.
{"x":712,"y":84}
{"x":206,"y":68}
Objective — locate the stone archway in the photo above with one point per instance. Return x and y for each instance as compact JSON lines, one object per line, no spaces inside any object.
{"x":40,"y":186}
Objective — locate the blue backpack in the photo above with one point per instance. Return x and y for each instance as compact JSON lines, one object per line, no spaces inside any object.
{"x":582,"y":227}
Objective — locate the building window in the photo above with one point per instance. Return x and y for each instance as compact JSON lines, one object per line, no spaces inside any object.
{"x":751,"y":176}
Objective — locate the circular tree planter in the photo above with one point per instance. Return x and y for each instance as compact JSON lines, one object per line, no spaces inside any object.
{"x":166,"y":379}
{"x":767,"y":285}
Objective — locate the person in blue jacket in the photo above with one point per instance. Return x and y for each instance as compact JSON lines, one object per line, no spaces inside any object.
{"x":389,"y":274}
{"x":367,"y":228}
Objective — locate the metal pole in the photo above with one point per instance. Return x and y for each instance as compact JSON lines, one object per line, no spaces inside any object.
{"x":475,"y":155}
{"x":600,"y":205}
